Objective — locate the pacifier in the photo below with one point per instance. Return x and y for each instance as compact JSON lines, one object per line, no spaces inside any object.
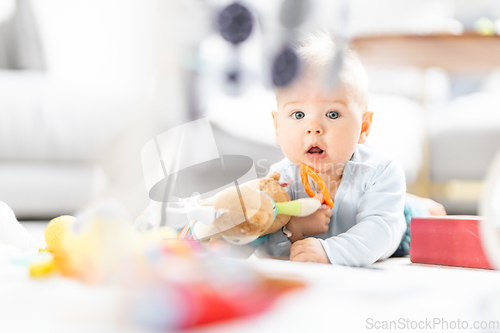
{"x":306,"y":171}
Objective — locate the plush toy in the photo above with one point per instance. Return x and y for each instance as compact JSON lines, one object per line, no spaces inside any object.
{"x":239,"y":214}
{"x":253,"y":209}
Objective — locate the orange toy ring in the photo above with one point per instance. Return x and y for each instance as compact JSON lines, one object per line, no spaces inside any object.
{"x":305,"y":171}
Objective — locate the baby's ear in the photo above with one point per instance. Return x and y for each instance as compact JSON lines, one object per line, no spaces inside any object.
{"x":366,"y":126}
{"x":275,"y":122}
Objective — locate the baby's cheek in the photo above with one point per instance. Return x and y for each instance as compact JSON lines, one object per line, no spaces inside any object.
{"x":290,"y":144}
{"x":291,"y":152}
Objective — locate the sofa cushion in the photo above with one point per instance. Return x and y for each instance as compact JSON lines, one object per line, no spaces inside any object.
{"x":42,"y":119}
{"x":465,"y":135}
{"x":45,"y":190}
{"x":399,"y":128}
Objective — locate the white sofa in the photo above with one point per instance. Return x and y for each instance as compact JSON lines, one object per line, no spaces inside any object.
{"x":64,"y":107}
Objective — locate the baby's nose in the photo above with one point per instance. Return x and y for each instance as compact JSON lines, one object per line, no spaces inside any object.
{"x":314,"y":129}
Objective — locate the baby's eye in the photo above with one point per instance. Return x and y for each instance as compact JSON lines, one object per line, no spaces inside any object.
{"x":298,"y":115}
{"x":332,"y":114}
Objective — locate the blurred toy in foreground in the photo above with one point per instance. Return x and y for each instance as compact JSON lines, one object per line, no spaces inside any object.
{"x":55,"y":235}
{"x":170,"y":283}
{"x":176,"y":286}
{"x":89,"y":247}
{"x":56,"y":231}
{"x":203,"y":292}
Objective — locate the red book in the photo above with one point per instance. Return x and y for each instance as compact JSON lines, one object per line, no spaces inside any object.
{"x":448,"y":240}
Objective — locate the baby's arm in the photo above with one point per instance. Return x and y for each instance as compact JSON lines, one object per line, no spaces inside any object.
{"x":380,"y":221}
{"x":314,"y":224}
{"x":317,"y":223}
{"x":309,"y":249}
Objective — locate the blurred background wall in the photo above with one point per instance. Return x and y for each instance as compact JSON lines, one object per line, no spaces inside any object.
{"x":85,"y":84}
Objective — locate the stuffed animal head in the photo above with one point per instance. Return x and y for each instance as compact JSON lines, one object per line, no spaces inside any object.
{"x":250,"y":209}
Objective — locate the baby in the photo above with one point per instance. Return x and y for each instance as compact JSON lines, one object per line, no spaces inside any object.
{"x":326,"y":128}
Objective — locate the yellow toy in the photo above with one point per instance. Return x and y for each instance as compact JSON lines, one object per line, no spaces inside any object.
{"x":55,"y":232}
{"x":92,"y":246}
{"x":55,"y":235}
{"x":43,"y":265}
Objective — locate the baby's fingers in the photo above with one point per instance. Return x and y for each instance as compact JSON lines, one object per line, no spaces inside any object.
{"x":302,"y":257}
{"x":319,"y":196}
{"x":296,"y":249}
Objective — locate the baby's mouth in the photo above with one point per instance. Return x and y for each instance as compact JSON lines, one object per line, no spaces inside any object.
{"x":315,"y":152}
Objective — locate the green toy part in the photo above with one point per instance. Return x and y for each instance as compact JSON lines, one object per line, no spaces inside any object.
{"x":299,"y":207}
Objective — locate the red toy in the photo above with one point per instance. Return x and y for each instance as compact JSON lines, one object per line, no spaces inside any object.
{"x":448,"y":240}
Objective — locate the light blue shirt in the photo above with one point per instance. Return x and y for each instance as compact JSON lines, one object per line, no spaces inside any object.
{"x":367,"y":221}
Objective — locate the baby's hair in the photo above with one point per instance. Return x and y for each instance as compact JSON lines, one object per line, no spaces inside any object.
{"x":317,"y":51}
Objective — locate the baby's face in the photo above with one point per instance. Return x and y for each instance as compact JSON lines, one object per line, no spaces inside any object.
{"x":319,"y":127}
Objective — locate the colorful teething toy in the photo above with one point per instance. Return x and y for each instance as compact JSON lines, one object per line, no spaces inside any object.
{"x":305,"y":171}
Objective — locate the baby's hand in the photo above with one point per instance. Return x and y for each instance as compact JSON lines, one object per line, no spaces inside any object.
{"x":309,"y":249}
{"x":314,"y":224}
